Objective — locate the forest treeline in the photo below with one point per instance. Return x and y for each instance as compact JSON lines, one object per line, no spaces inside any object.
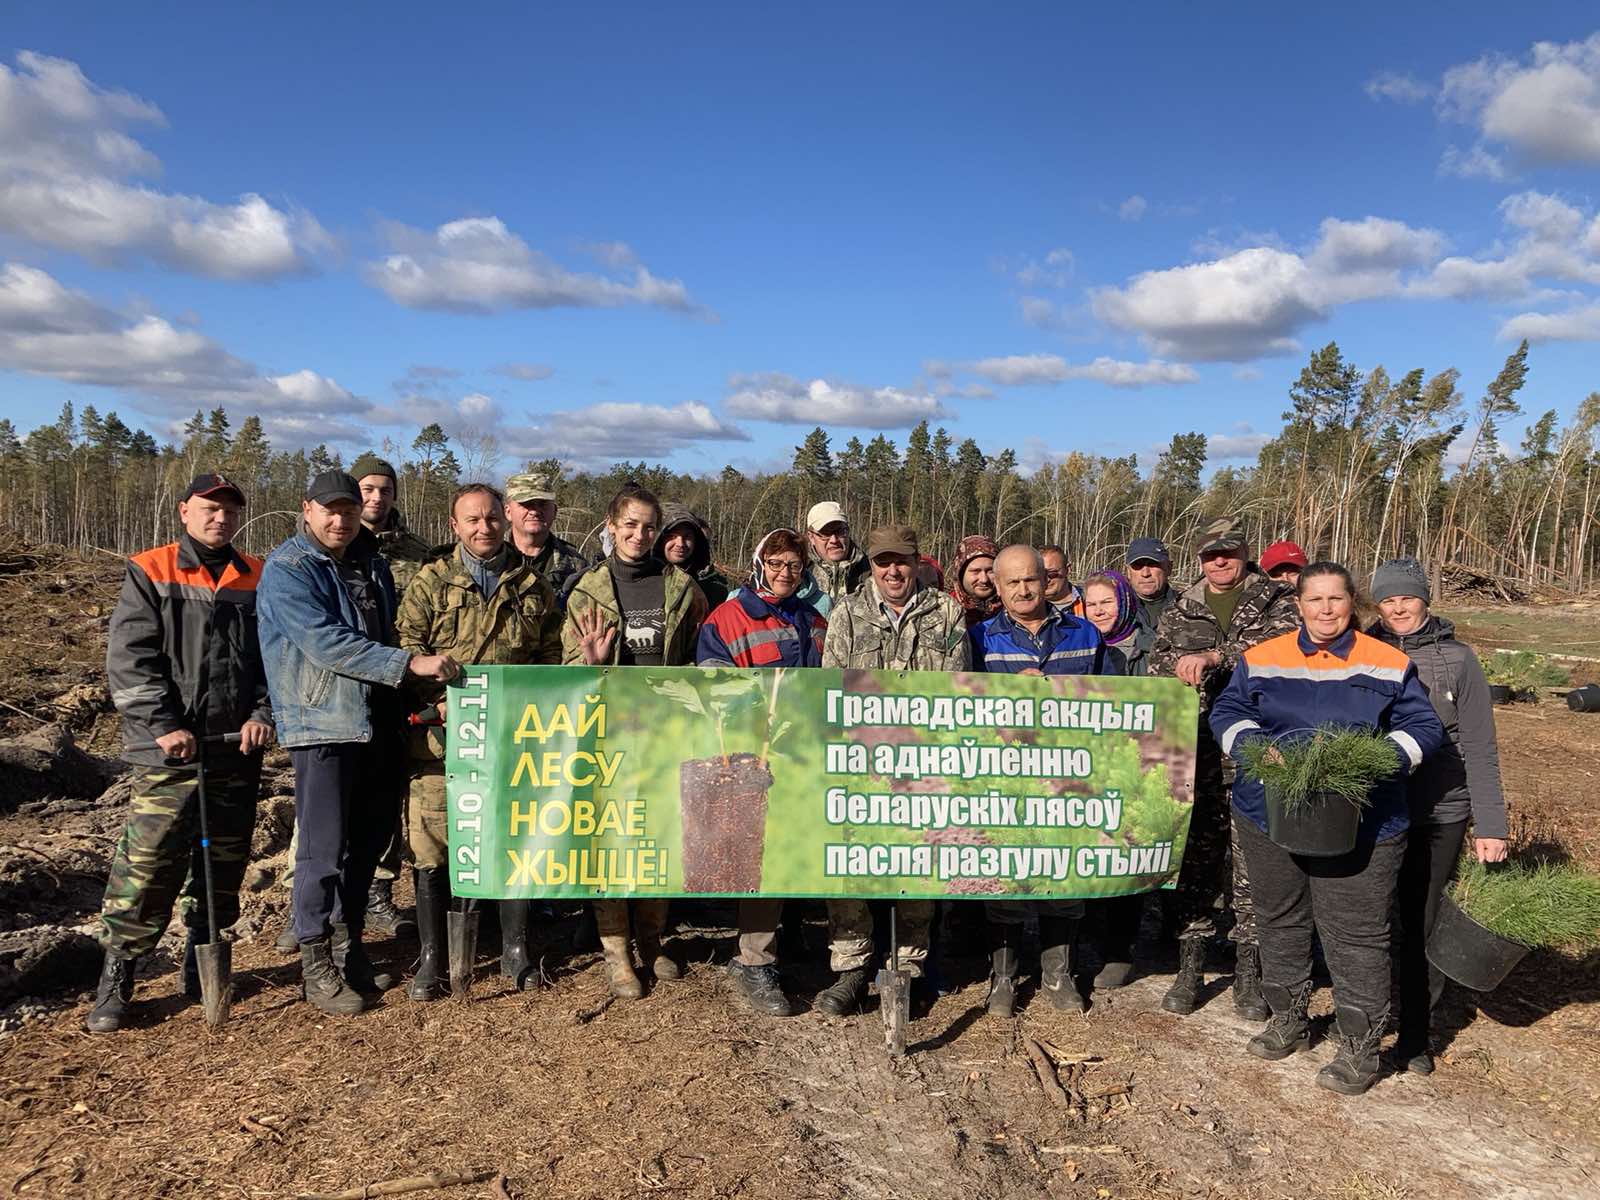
{"x":1357,"y":473}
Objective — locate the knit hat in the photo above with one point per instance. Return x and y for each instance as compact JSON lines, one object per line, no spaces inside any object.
{"x":370,"y":464}
{"x":1401,"y":577}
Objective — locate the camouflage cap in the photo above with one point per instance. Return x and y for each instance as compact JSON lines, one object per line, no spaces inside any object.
{"x":1222,"y":535}
{"x":528,"y":487}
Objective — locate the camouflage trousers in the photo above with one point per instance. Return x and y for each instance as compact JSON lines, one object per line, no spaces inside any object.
{"x":1213,"y":873}
{"x":160,"y":846}
{"x":427,"y":820}
{"x":850,"y":934}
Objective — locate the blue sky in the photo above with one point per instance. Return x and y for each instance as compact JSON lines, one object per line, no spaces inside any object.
{"x":692,"y":232}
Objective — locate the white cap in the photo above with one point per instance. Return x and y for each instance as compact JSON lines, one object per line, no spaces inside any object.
{"x":824,"y":514}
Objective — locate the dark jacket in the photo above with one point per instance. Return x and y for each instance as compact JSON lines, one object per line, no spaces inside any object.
{"x":177,"y":632}
{"x":1463,"y":778}
{"x":1064,"y":645}
{"x":700,"y":568}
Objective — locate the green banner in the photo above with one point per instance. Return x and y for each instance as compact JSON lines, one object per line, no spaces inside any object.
{"x":689,"y":781}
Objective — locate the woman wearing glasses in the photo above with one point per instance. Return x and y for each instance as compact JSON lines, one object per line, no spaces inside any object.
{"x":764,"y":624}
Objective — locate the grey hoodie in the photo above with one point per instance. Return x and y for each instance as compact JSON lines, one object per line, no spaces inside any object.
{"x":1463,"y":778}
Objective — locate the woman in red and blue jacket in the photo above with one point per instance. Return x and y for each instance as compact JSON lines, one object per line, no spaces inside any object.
{"x":1326,"y":673}
{"x":764,"y":624}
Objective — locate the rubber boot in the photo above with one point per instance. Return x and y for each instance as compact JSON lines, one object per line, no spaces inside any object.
{"x":112,"y":996}
{"x":432,"y":980}
{"x":1057,"y":936}
{"x":1288,"y":1031}
{"x":1355,"y":1068}
{"x":649,"y":922}
{"x":845,"y":994}
{"x":514,"y":962}
{"x":324,"y":987}
{"x":1002,"y":971}
{"x":761,"y":988}
{"x":611,"y":920}
{"x":191,"y":968}
{"x":585,"y":937}
{"x":1247,"y":998}
{"x":1184,"y":993}
{"x":286,"y":942}
{"x":350,"y":957}
{"x":382,"y":915}
{"x":1119,"y":930}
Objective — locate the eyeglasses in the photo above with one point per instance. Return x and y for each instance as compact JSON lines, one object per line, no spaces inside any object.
{"x":781,"y":566}
{"x":1055,"y":574}
{"x":834,"y":533}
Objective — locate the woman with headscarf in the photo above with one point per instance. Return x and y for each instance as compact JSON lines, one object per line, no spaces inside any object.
{"x":973,"y":573}
{"x":1112,"y":606}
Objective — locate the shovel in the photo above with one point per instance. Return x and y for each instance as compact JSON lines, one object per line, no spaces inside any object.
{"x":894,"y":993}
{"x":461,"y":941}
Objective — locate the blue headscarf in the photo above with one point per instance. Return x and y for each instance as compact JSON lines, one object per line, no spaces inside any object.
{"x":1127,"y":605}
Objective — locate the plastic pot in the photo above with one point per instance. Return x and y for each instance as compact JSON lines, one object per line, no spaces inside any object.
{"x":1324,"y":827}
{"x":1469,"y":953}
{"x":1584,"y":699}
{"x":1499,"y":693}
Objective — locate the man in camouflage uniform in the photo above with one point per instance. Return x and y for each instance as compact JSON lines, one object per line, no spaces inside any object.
{"x":838,"y":568}
{"x":1199,"y":640}
{"x":893,"y":623}
{"x":483,"y":604}
{"x":183,"y":662}
{"x":531,"y":514}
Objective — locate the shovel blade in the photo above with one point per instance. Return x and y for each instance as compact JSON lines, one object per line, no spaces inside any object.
{"x":215,"y":963}
{"x":461,"y":936}
{"x":894,"y":1001}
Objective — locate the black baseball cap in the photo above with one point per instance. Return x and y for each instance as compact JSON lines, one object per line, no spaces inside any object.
{"x":333,"y":485}
{"x":213,"y":485}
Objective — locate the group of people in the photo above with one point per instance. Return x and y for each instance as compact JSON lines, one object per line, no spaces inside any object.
{"x":341,"y":643}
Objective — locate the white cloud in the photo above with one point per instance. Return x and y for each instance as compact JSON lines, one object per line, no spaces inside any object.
{"x":1545,"y":108}
{"x":1574,"y":325}
{"x":65,"y":163}
{"x":1243,"y":443}
{"x":1133,"y":208}
{"x":1476,"y":163}
{"x":525,"y":371}
{"x":774,"y":396}
{"x":1390,"y":85}
{"x":1552,"y":241}
{"x":1247,"y":374}
{"x":603,"y":433}
{"x":477,"y":265}
{"x":1022,"y":369}
{"x":1054,"y":270}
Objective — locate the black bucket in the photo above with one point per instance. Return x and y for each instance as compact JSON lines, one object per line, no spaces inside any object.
{"x":1324,"y":827}
{"x":1469,"y":953}
{"x":1584,"y":699}
{"x":1499,"y":693}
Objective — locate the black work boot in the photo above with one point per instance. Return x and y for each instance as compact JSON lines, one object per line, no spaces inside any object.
{"x":1057,"y":936}
{"x":382,"y":915}
{"x":1355,"y":1068}
{"x":1119,"y":930}
{"x":191,"y":968}
{"x":1288,"y":1031}
{"x":1413,"y":1049}
{"x":761,"y":988}
{"x":324,"y":987}
{"x":585,"y":935}
{"x":112,"y":996}
{"x":1002,"y":971}
{"x":1247,"y":998}
{"x":286,"y":942}
{"x":432,"y":980}
{"x":1184,"y":993}
{"x":350,"y":957}
{"x":514,"y":962}
{"x":845,"y":994}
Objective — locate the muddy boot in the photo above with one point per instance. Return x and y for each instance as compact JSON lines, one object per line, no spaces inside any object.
{"x":1288,"y":1031}
{"x":1355,"y":1068}
{"x":112,"y":996}
{"x":287,"y":943}
{"x":350,"y":957}
{"x":1247,"y":998}
{"x":432,"y":980}
{"x":845,"y":994}
{"x":514,"y":961}
{"x":191,"y":968}
{"x":624,"y":980}
{"x":1002,"y":971}
{"x":1056,"y":984}
{"x":382,"y":915}
{"x":324,"y":987}
{"x":649,"y":922}
{"x":1182,"y":996}
{"x":761,"y":988}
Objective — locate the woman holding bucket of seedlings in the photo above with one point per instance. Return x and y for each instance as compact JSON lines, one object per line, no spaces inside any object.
{"x":1326,"y":723}
{"x":765,"y":624}
{"x":633,"y":610}
{"x":1462,"y":781}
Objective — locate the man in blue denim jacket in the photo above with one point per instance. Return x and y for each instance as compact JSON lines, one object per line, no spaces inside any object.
{"x":325,"y":611}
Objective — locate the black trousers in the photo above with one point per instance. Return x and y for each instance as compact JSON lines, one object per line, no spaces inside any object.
{"x":344,"y":813}
{"x":1432,"y":852}
{"x":1346,"y":900}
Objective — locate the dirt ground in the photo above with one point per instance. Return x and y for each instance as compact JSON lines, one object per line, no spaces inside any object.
{"x":559,"y":1094}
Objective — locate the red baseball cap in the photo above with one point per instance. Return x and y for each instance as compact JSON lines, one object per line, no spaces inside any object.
{"x":1282,"y":554}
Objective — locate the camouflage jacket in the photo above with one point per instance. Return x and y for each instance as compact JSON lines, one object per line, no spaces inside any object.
{"x":684,"y":601}
{"x":826,"y":583}
{"x":1266,"y":609}
{"x":404,"y":550}
{"x":558,"y":561}
{"x":930,"y":636}
{"x":444,"y":612}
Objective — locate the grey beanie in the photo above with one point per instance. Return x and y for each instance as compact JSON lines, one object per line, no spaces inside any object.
{"x":1400,"y":577}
